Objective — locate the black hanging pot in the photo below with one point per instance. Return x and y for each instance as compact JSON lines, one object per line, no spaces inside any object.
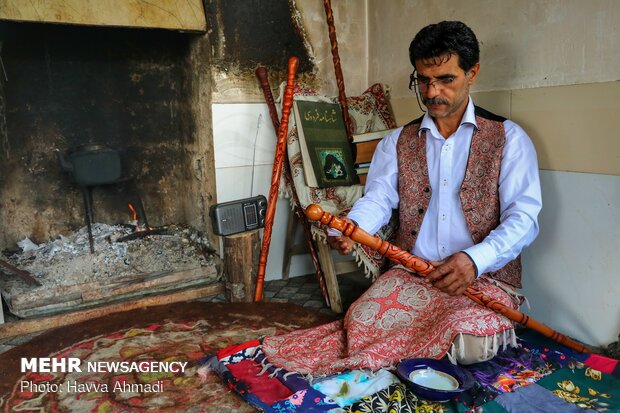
{"x":92,"y":164}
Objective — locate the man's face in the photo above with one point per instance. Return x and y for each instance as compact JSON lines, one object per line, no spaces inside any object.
{"x":443,"y":85}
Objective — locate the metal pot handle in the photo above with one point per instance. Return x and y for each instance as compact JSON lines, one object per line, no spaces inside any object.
{"x":67,"y":166}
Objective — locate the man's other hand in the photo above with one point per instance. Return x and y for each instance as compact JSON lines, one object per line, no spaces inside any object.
{"x":454,"y":274}
{"x":343,"y":244}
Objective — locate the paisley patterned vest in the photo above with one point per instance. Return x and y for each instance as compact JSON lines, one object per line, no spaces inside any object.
{"x":479,"y":191}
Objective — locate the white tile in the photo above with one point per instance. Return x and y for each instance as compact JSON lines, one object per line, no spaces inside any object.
{"x":233,"y":183}
{"x":243,"y":135}
{"x":240,"y":182}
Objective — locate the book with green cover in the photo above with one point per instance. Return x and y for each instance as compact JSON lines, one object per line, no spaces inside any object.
{"x":325,"y":148}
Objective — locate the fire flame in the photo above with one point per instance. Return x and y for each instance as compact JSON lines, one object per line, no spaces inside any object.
{"x":134,"y":215}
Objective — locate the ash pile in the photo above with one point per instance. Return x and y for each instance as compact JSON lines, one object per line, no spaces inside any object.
{"x":126,"y":262}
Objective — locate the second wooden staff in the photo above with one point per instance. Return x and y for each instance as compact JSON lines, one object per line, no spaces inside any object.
{"x":278,"y":160}
{"x":421,"y":267}
{"x":263,"y":78}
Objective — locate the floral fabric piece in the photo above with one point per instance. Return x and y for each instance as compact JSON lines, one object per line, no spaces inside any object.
{"x":537,"y":374}
{"x":349,"y":387}
{"x":395,"y":399}
{"x":268,"y":389}
{"x":602,"y":363}
{"x":585,"y":387}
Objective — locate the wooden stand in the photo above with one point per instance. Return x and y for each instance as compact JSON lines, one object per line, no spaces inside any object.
{"x":241,"y":253}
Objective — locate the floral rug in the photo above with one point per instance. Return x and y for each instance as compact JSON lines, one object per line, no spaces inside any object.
{"x":152,"y":337}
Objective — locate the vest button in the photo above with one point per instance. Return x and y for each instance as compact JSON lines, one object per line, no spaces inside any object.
{"x":414,"y":233}
{"x":427,"y":189}
{"x":421,"y":210}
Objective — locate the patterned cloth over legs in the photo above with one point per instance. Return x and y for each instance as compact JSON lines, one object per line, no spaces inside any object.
{"x":401,"y":316}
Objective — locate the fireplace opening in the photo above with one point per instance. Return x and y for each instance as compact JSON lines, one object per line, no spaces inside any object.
{"x":93,"y":119}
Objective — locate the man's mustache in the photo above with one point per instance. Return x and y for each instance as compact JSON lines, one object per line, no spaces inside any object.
{"x":434,"y":101}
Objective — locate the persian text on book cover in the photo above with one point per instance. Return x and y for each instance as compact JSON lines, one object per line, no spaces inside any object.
{"x":321,"y":128}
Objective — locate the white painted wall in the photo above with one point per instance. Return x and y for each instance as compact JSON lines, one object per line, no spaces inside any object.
{"x":244,"y":141}
{"x":570,"y":273}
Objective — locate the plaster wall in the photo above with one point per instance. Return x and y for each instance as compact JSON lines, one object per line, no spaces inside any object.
{"x":235,"y":85}
{"x":524,"y":44}
{"x":551,"y":66}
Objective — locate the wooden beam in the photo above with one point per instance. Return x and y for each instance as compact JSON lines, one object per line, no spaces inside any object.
{"x":162,"y":14}
{"x":21,"y":327}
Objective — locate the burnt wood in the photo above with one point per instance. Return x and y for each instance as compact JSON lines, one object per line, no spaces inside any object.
{"x":24,"y":275}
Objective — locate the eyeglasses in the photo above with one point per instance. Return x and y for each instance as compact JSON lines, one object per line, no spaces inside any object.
{"x":421,"y":85}
{"x":417,"y":84}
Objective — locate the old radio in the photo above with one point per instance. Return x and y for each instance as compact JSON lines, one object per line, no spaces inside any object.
{"x":238,"y":216}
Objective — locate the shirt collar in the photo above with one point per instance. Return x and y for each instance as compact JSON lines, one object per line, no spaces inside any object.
{"x":469,"y":117}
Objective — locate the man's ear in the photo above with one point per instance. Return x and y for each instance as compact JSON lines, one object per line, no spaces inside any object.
{"x":472,"y":74}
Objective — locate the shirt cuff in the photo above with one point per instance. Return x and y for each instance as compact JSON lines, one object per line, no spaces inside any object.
{"x":331,"y":232}
{"x":477,"y":273}
{"x":483,"y":257}
{"x":361,"y":221}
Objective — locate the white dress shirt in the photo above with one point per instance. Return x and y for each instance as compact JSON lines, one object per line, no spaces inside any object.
{"x":444,"y":229}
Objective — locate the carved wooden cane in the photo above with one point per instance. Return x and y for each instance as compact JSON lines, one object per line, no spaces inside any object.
{"x":342,"y":96}
{"x":423,"y":268}
{"x":262,"y":75}
{"x":278,"y":160}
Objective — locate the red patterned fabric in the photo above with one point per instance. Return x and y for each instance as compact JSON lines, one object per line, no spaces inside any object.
{"x":400,"y":316}
{"x":479,"y":191}
{"x":268,"y":389}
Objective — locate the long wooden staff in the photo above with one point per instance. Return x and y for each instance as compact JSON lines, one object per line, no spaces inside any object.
{"x":278,"y":160}
{"x":420,"y":266}
{"x":342,"y":96}
{"x":263,"y":78}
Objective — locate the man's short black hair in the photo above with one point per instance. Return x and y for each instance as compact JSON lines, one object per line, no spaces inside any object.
{"x":441,"y":40}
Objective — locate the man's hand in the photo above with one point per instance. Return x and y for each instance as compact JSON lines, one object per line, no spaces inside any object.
{"x":454,"y":274}
{"x":343,"y":244}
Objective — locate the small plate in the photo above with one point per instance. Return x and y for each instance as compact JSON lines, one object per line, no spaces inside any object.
{"x":434,"y":379}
